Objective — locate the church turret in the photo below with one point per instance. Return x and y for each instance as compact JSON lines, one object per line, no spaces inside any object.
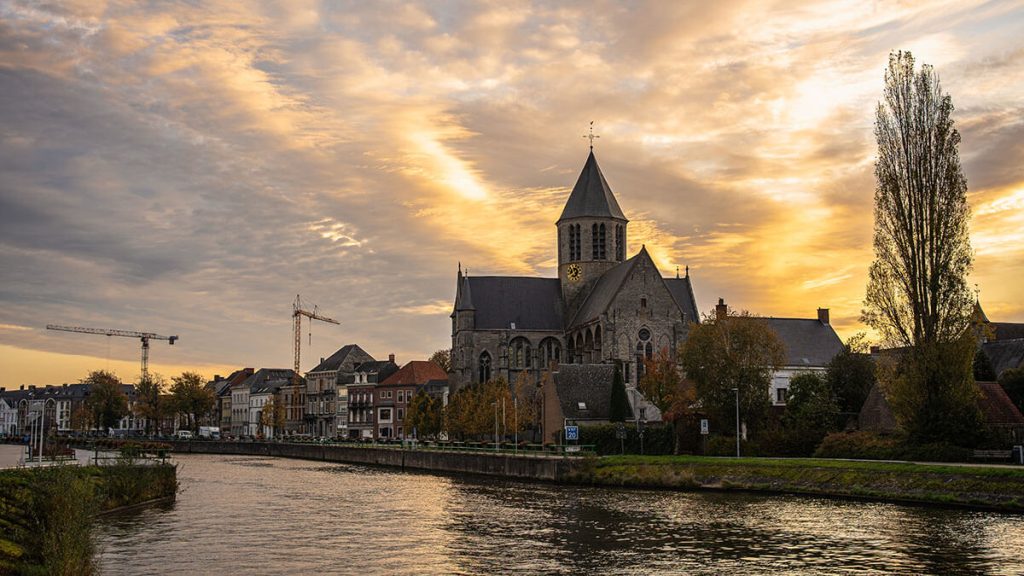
{"x":591,"y":231}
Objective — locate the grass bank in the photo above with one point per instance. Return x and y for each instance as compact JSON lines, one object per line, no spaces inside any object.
{"x":46,"y":514}
{"x":999,"y":488}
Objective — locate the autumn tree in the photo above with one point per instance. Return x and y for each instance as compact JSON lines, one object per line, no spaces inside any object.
{"x":733,"y":351}
{"x":424,"y":415}
{"x":190,"y":398}
{"x":917,"y":293}
{"x":272,"y":416}
{"x":442,"y":358}
{"x":527,"y":403}
{"x":149,"y":404}
{"x":851,"y":374}
{"x":663,"y":385}
{"x":471,"y":411}
{"x":811,"y":409}
{"x":107,"y":402}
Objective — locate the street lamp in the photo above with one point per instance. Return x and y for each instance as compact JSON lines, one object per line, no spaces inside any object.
{"x":737,"y":391}
{"x":495,"y":404}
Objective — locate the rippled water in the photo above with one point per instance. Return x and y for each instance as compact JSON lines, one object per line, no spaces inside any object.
{"x":251,"y":515}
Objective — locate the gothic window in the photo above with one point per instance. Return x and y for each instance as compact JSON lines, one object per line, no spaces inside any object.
{"x":597,"y":242}
{"x":601,"y":244}
{"x":620,"y":243}
{"x":643,"y":303}
{"x":519,"y":353}
{"x":550,"y":352}
{"x":644,"y":334}
{"x":639,"y":361}
{"x":649,"y":349}
{"x":573,"y":240}
{"x":485,"y":367}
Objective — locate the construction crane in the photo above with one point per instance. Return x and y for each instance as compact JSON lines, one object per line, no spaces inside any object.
{"x":298,"y":311}
{"x":144,"y":336}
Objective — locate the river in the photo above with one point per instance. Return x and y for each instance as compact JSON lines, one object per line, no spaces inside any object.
{"x":254,"y":515}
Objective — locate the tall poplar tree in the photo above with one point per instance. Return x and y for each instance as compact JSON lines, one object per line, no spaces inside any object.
{"x":917,"y":293}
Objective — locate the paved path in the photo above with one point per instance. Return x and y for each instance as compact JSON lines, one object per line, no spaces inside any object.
{"x":10,"y":454}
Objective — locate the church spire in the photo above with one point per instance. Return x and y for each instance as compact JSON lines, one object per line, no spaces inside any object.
{"x":591,"y":197}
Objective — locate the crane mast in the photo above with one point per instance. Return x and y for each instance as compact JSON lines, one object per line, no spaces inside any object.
{"x":145,"y":337}
{"x":298,"y":311}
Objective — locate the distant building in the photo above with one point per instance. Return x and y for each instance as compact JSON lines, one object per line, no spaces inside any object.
{"x":322,"y":401}
{"x":360,"y":423}
{"x":393,"y":395}
{"x":62,"y":405}
{"x":1002,"y":342}
{"x":221,"y":389}
{"x":249,"y":396}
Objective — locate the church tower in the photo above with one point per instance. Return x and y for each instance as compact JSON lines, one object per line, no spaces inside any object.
{"x":591,"y":232}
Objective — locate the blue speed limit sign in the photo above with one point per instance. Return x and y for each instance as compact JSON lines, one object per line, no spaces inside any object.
{"x":572,"y":432}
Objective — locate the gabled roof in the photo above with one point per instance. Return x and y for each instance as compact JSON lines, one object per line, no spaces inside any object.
{"x":682,"y":290}
{"x":463,"y":293}
{"x":996,"y":406}
{"x":808,"y":342}
{"x":415,"y":373}
{"x":350,"y":354}
{"x":591,"y":196}
{"x":605,"y":289}
{"x":585,"y":390}
{"x":529,"y":303}
{"x":1004,"y":354}
{"x":376,"y":371}
{"x":265,"y":378}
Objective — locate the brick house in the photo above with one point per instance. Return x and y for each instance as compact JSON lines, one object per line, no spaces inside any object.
{"x":393,"y":395}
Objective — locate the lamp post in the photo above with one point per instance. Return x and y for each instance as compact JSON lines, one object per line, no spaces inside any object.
{"x":737,"y":391}
{"x":495,"y":404}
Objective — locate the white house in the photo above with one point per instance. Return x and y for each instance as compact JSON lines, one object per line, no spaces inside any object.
{"x":810,"y":345}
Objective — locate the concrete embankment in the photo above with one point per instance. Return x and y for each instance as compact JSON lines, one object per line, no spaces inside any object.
{"x":995,"y":488}
{"x":532,"y":467}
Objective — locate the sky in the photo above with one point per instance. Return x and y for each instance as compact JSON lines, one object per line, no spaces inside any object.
{"x":187,"y":168}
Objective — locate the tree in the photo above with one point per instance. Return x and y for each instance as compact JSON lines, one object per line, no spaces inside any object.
{"x":917,"y":294}
{"x":917,"y":287}
{"x":150,"y":402}
{"x":1012,"y":381}
{"x":423,"y":415}
{"x":811,"y":407}
{"x":442,"y":358}
{"x":618,"y":409}
{"x":851,"y":374}
{"x":982,"y":368}
{"x":733,"y":351}
{"x":106,"y":402}
{"x":272,"y":416}
{"x":190,"y":397}
{"x":663,"y":385}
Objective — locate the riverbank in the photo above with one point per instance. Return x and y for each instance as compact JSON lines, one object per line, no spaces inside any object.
{"x":986,"y":487}
{"x":47,"y":514}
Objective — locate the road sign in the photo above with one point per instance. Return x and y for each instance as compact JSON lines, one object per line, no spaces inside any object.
{"x":572,"y":432}
{"x":620,"y":431}
{"x":704,"y":429}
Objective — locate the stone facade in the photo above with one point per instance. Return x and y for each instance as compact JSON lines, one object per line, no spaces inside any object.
{"x":602,"y":308}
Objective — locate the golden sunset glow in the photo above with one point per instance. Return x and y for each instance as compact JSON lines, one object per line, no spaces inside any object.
{"x":187,"y":169}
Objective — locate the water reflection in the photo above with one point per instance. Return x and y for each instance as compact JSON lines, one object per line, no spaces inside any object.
{"x":275,"y":516}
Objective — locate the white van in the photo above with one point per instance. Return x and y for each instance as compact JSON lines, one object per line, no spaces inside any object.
{"x":184,"y":434}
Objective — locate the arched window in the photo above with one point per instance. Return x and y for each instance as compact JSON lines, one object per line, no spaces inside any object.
{"x":485,"y":367}
{"x":602,"y":246}
{"x":579,"y":349}
{"x":620,"y":243}
{"x":639,"y":361}
{"x":597,"y":339}
{"x":573,"y":241}
{"x":519,"y":354}
{"x":550,"y":352}
{"x":594,"y":249}
{"x":649,"y":349}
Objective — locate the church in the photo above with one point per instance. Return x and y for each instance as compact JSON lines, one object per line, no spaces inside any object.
{"x":602,"y":307}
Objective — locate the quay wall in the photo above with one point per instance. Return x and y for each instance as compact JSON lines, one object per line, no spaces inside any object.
{"x":532,"y":467}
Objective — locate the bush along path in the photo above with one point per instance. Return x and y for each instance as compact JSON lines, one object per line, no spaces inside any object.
{"x":997,"y":488}
{"x":46,"y":514}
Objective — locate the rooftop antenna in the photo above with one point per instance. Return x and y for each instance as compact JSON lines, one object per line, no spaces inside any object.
{"x":591,"y":136}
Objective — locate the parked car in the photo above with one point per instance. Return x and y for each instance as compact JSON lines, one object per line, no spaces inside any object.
{"x":184,"y":435}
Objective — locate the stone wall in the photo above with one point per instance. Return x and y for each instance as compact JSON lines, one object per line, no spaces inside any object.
{"x":533,"y":467}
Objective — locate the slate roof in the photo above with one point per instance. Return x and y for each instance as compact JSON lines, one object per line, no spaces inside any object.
{"x":587,"y":383}
{"x":376,"y":371}
{"x":682,"y":291}
{"x":1004,"y":354}
{"x":416,"y":372}
{"x":530,"y":303}
{"x":463,"y":293}
{"x":591,"y":196}
{"x":335,"y":361}
{"x":808,"y":342}
{"x":996,"y":406}
{"x":265,"y":378}
{"x":1007,"y":330}
{"x":605,"y":289}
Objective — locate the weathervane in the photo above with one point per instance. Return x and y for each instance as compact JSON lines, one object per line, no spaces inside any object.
{"x":591,"y":136}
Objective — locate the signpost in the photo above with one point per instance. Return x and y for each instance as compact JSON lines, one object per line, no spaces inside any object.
{"x":704,"y":431}
{"x":620,"y":433}
{"x":572,"y":433}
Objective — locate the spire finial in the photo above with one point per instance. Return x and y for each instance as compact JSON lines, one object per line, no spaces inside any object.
{"x":677,"y":272}
{"x":460,"y":267}
{"x":977,"y":293}
{"x":591,"y":136}
{"x":687,"y":271}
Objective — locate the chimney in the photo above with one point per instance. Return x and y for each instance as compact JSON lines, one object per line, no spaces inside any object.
{"x":391,"y":358}
{"x":216,"y":377}
{"x":2,"y":389}
{"x":321,"y":359}
{"x":823,"y":316}
{"x":31,"y":386}
{"x":22,"y":387}
{"x":721,"y":310}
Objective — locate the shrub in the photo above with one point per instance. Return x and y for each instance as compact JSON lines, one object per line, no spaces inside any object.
{"x":657,"y":439}
{"x":871,"y":446}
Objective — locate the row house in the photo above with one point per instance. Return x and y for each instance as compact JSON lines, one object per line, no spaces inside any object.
{"x":61,"y":406}
{"x":395,"y":393}
{"x":323,"y":408}
{"x":221,"y":389}
{"x":250,"y":395}
{"x":359,"y":394}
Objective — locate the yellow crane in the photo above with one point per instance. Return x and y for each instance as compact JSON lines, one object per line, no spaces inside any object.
{"x":298,"y":311}
{"x":145,"y":337}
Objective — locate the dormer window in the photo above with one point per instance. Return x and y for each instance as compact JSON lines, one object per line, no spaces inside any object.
{"x":581,"y":405}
